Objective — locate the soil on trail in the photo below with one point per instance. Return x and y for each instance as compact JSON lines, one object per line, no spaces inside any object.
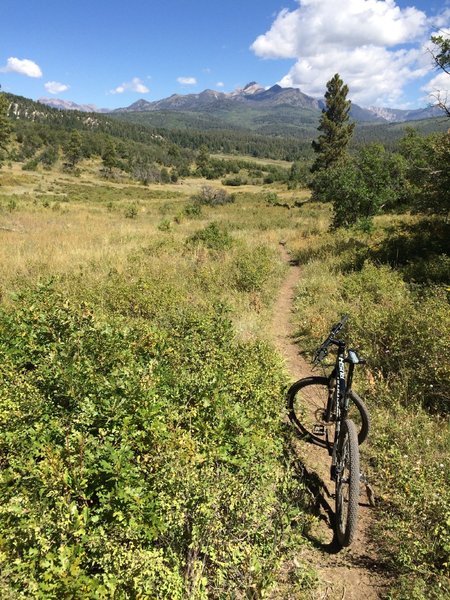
{"x":351,"y":573}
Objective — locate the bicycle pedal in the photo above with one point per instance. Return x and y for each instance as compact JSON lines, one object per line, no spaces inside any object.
{"x":318,"y":429}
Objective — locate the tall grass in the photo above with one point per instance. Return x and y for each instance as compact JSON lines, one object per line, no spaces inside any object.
{"x":141,"y":439}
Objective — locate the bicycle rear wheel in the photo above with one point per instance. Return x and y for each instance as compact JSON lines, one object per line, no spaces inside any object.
{"x":307,"y":402}
{"x":347,"y":484}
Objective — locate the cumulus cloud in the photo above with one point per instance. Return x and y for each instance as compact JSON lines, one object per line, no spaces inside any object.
{"x":135,"y":85}
{"x":220,"y":84}
{"x":376,"y":46}
{"x":54,"y":87}
{"x":23,"y":66}
{"x":187,"y":80}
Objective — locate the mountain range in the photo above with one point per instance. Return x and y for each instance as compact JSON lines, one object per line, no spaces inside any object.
{"x":251,"y":97}
{"x":259,"y":124}
{"x":69,"y":105}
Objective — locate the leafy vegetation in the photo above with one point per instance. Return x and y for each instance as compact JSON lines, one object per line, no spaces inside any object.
{"x":375,"y":180}
{"x":125,"y":470}
{"x":142,"y":440}
{"x":5,"y":127}
{"x":401,"y":328}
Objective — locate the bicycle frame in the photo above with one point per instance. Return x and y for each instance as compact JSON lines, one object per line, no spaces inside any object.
{"x":338,"y":401}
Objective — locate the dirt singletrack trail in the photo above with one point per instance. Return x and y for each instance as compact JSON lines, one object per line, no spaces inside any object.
{"x":353,"y":573}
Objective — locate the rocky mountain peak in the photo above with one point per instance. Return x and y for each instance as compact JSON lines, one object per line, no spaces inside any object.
{"x":252,"y":88}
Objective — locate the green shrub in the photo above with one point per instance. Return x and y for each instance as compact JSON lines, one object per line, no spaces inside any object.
{"x":138,"y":459}
{"x":193,"y":210}
{"x":234,"y":181}
{"x":213,"y":236}
{"x":131,"y":212}
{"x":12,"y":204}
{"x":253,"y":268}
{"x":31,"y":165}
{"x":164,"y":225}
{"x":410,"y":465}
{"x":271,"y":198}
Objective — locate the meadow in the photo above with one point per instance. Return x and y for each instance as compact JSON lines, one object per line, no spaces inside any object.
{"x":143,"y":448}
{"x":142,"y":436}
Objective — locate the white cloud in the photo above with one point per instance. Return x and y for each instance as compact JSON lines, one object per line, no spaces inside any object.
{"x":220,"y":84}
{"x":442,"y":20}
{"x":22,"y":66}
{"x":54,"y":87}
{"x":437,"y":88}
{"x":187,"y":80}
{"x":376,"y":46}
{"x":135,"y":85}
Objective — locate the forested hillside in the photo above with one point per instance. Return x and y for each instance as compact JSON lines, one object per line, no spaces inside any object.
{"x":285,"y":134}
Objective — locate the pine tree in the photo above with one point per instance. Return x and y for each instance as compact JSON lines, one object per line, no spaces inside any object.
{"x":5,"y":128}
{"x":73,"y":150}
{"x":336,"y":130}
{"x":109,"y":157}
{"x":203,"y":159}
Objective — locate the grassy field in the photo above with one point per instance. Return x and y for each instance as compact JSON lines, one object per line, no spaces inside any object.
{"x":258,"y":161}
{"x":141,"y":407}
{"x":142,"y":444}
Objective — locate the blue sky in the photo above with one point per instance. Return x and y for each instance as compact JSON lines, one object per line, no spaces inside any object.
{"x":113,"y":53}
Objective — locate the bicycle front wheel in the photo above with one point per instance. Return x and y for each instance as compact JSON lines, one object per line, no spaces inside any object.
{"x":347,"y":483}
{"x":307,"y":401}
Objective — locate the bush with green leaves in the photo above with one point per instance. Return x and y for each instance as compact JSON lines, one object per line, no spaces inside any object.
{"x":428,"y":168}
{"x":193,"y":210}
{"x":137,"y":459}
{"x":131,"y":211}
{"x":361,"y":187}
{"x":213,"y":236}
{"x":235,"y":181}
{"x":253,"y":268}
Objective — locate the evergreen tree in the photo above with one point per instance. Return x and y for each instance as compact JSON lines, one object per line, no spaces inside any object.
{"x":203,"y":159}
{"x":109,"y":157}
{"x":336,"y":130}
{"x":5,"y":128}
{"x":73,"y":149}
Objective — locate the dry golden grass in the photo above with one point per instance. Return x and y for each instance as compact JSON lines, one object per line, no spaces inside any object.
{"x":57,"y":224}
{"x":251,"y":159}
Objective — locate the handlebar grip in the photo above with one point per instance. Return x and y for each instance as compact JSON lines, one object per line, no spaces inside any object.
{"x":336,"y":328}
{"x":322,"y":350}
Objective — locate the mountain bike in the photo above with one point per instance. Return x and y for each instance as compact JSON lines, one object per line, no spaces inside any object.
{"x":330,"y":414}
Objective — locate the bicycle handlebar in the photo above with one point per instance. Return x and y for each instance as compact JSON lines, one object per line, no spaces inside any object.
{"x":322,"y":350}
